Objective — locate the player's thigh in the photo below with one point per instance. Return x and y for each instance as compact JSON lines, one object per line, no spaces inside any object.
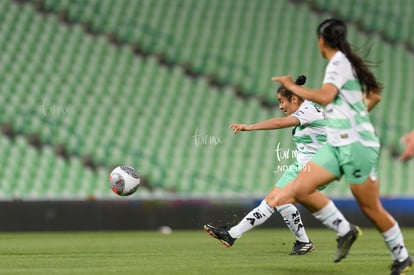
{"x":359,"y":164}
{"x":294,"y":192}
{"x":313,"y":178}
{"x":323,"y":168}
{"x":367,"y":193}
{"x":303,"y":189}
{"x":289,"y":175}
{"x":328,"y":158}
{"x":273,"y":197}
{"x":282,"y":190}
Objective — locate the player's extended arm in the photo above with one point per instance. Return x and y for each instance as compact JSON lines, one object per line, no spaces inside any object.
{"x":323,"y":96}
{"x":270,"y":124}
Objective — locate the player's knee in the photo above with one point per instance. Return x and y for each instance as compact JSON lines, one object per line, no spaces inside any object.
{"x":270,"y":201}
{"x":274,"y":200}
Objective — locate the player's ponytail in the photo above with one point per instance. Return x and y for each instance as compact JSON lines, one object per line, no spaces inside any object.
{"x":288,"y":94}
{"x":334,"y":33}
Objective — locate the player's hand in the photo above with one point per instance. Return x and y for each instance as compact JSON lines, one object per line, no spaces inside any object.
{"x":408,"y":153}
{"x":239,"y":127}
{"x":285,"y":80}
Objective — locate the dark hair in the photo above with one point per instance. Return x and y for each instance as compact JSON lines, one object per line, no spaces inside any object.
{"x":288,"y":94}
{"x":334,"y":33}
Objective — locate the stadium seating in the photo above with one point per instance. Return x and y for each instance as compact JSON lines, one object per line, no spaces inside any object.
{"x":392,"y":19}
{"x":227,"y":53}
{"x":228,"y":33}
{"x":77,"y":89}
{"x":32,"y":174}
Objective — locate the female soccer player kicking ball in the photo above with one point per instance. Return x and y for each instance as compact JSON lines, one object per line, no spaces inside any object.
{"x":309,"y":134}
{"x":352,"y":149}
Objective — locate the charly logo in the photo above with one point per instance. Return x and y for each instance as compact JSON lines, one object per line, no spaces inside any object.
{"x":50,"y":109}
{"x":283,"y":154}
{"x":204,"y":140}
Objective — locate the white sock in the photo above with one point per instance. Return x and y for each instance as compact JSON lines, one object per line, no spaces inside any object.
{"x":395,"y":242}
{"x":330,"y":216}
{"x":292,"y":218}
{"x":256,"y":217}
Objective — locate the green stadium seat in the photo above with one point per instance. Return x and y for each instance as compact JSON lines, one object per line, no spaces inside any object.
{"x":103,"y":101}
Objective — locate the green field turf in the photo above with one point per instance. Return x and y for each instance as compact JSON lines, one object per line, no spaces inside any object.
{"x":261,"y":251}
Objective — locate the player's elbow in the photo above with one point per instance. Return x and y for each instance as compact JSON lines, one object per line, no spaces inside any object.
{"x":325,"y":100}
{"x":377,"y":97}
{"x":327,"y":94}
{"x":372,"y":99}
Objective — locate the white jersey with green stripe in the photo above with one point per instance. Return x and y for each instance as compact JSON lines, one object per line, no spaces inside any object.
{"x":347,"y":116}
{"x":310,"y":134}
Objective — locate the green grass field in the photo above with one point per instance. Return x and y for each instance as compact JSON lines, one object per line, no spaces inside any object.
{"x":261,"y":251}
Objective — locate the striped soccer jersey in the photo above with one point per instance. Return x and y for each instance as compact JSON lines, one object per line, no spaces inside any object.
{"x":310,"y":135}
{"x":347,"y":116}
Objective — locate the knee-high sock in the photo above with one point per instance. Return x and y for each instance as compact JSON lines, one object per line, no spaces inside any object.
{"x":332,"y":218}
{"x":293,"y":220}
{"x":254,"y":218}
{"x":395,"y":243}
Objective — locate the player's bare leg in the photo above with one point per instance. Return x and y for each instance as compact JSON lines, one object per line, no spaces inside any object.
{"x":322,"y":208}
{"x":367,"y":196}
{"x":293,"y":220}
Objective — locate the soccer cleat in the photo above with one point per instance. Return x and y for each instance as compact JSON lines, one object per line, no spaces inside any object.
{"x":221,"y":234}
{"x":345,"y":242}
{"x":401,"y":268}
{"x":301,"y":248}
